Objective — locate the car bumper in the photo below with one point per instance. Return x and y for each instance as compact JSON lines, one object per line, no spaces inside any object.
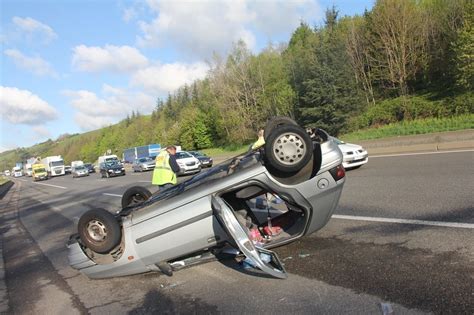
{"x":354,"y":162}
{"x":116,"y":173}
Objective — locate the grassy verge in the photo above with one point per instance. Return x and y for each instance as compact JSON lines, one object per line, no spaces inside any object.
{"x":413,"y":127}
{"x":3,"y":180}
{"x":228,"y":150}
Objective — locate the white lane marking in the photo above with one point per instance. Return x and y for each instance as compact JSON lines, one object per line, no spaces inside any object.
{"x":113,"y":195}
{"x":405,"y":221}
{"x":62,"y":187}
{"x":419,"y":153}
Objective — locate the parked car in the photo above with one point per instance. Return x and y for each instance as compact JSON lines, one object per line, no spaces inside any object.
{"x":204,"y":159}
{"x":354,"y":156}
{"x":187,"y":163}
{"x":143,"y":164}
{"x":7,"y":173}
{"x":90,"y":167}
{"x":80,"y":171}
{"x":110,"y":169}
{"x":67,"y":169}
{"x":203,"y":217}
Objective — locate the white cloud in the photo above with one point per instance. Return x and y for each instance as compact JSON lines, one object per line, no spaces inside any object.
{"x":93,"y":112}
{"x":165,"y":78}
{"x":36,"y":65}
{"x":109,"y":58}
{"x":40,"y":132}
{"x":201,"y":27}
{"x":23,"y":107}
{"x":31,"y":27}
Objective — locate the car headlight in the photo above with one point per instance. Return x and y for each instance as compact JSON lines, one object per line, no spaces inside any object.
{"x":111,"y":171}
{"x":123,"y":169}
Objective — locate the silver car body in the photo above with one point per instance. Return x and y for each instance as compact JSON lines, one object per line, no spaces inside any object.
{"x":79,"y":171}
{"x":354,"y":155}
{"x":143,"y":164}
{"x":200,"y":215}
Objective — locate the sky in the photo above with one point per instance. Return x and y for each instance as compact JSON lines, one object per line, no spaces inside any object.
{"x":75,"y":66}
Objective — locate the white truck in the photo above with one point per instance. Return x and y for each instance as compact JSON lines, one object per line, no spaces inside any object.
{"x":28,"y":170}
{"x":54,"y":165}
{"x":17,"y":172}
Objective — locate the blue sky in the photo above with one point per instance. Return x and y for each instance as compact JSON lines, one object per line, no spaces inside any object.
{"x":74,"y":66}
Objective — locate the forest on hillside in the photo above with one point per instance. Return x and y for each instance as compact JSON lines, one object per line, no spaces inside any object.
{"x":402,"y":60}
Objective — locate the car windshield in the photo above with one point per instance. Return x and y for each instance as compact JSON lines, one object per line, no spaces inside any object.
{"x":57,"y":163}
{"x":338,"y":141}
{"x":40,"y":170}
{"x":143,"y":160}
{"x":183,"y":155}
{"x":208,"y":177}
{"x":197,"y":154}
{"x":111,"y":163}
{"x":87,"y":165}
{"x":78,"y":168}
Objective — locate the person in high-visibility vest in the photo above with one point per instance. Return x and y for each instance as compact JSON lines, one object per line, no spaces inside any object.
{"x":166,"y":167}
{"x":260,"y":141}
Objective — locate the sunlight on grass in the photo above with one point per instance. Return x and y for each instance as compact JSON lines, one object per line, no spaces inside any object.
{"x":413,"y":127}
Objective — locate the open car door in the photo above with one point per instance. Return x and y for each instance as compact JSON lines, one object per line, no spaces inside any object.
{"x":229,"y":222}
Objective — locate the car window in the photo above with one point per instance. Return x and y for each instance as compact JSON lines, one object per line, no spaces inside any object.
{"x":183,"y":155}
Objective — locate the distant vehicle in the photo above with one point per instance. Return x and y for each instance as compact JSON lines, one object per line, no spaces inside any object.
{"x":187,"y":163}
{"x":79,"y":171}
{"x":90,"y":167}
{"x":67,"y":169}
{"x":28,"y":169}
{"x":354,"y":156}
{"x":17,"y":172}
{"x":108,"y":158}
{"x":76,"y":163}
{"x":204,"y":159}
{"x":54,"y":165}
{"x":7,"y":173}
{"x":143,"y":164}
{"x":39,"y":172}
{"x":111,"y":168}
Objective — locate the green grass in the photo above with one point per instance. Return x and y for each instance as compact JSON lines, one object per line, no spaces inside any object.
{"x":227,"y":150}
{"x":413,"y":127}
{"x":3,"y":180}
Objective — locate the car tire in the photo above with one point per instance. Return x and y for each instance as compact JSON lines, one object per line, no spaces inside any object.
{"x":277,"y":122}
{"x":288,"y":148}
{"x":134,"y":196}
{"x":99,"y":230}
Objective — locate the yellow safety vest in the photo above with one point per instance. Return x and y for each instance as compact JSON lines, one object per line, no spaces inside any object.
{"x":163,"y":174}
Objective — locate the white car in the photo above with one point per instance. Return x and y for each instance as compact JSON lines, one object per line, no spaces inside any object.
{"x":354,"y":155}
{"x":187,"y":163}
{"x":7,"y":173}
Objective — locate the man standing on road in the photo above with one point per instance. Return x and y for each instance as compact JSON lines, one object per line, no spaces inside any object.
{"x":166,"y":167}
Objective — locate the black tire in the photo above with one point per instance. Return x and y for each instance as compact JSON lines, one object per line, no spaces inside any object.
{"x":134,"y":196}
{"x":276,"y":122}
{"x":288,"y":148}
{"x":99,"y":230}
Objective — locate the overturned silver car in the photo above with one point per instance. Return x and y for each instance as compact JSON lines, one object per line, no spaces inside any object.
{"x":265,"y":198}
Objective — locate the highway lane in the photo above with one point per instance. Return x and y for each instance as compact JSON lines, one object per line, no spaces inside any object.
{"x":413,"y":267}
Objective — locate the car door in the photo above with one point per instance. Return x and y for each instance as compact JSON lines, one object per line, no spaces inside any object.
{"x":229,"y":222}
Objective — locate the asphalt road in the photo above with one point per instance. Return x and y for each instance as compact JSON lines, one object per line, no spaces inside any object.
{"x":353,"y":265}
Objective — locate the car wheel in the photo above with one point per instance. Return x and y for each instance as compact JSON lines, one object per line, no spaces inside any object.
{"x":99,"y":230}
{"x":288,"y":148}
{"x":276,"y":122}
{"x":134,"y":196}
